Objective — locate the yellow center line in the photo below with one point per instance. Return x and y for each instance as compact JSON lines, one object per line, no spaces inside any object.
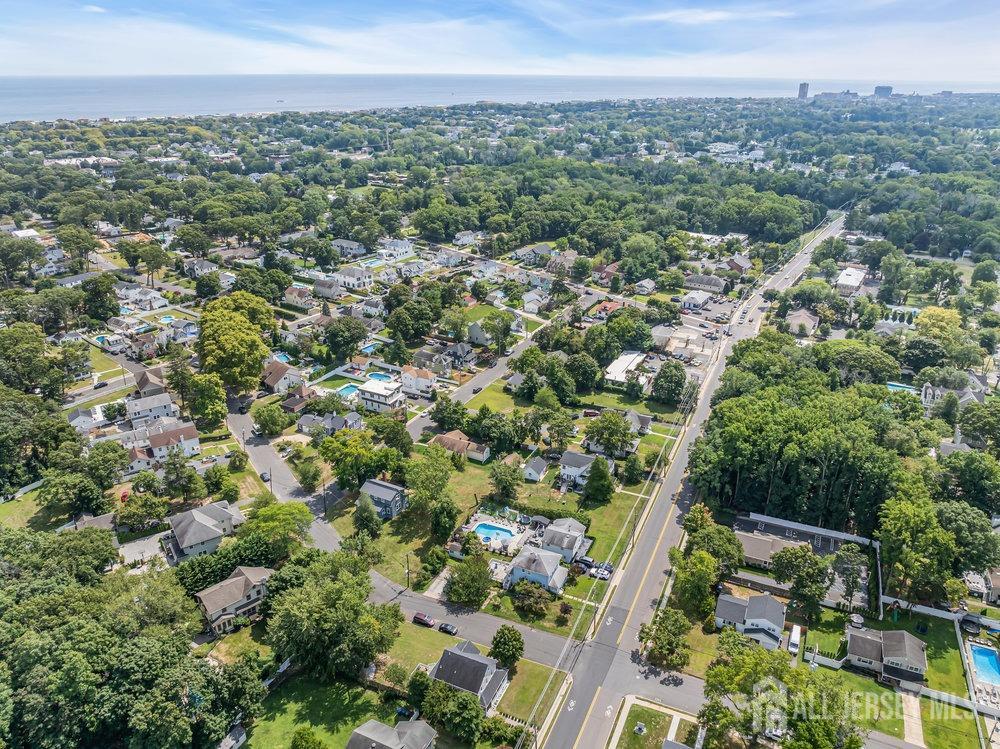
{"x":586,"y":717}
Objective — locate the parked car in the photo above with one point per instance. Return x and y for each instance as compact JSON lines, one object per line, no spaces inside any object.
{"x":476,"y":390}
{"x":265,"y":477}
{"x":423,"y":620}
{"x":102,"y":384}
{"x":585,"y":562}
{"x":448,"y":629}
{"x":599,"y":574}
{"x":703,"y":325}
{"x":590,"y":412}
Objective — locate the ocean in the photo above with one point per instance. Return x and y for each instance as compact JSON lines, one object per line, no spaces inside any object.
{"x":116,"y":97}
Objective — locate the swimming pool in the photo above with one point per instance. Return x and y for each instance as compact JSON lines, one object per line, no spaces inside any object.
{"x":380,"y":376}
{"x":899,"y":387}
{"x":987,"y":663}
{"x":347,"y":391}
{"x":370,"y":348}
{"x":282,"y":357}
{"x":489,"y":532}
{"x":167,"y":319}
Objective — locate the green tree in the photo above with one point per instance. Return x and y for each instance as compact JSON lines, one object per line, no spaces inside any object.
{"x":284,"y":525}
{"x":505,"y":479}
{"x":444,"y":516}
{"x":632,"y":471}
{"x":498,"y":325}
{"x":208,"y":285}
{"x":309,"y":475}
{"x":849,"y":563}
{"x":600,"y":487}
{"x":507,"y":646}
{"x":99,"y":299}
{"x":694,"y":578}
{"x":470,"y":582}
{"x":809,"y":575}
{"x":721,"y":542}
{"x":305,"y":738}
{"x":665,"y":639}
{"x":611,"y":432}
{"x":344,"y":335}
{"x":230,"y":346}
{"x":448,"y":414}
{"x":207,"y":401}
{"x":427,"y":478}
{"x":106,"y":463}
{"x":669,"y":383}
{"x":271,"y":420}
{"x":366,"y":518}
{"x":141,"y":510}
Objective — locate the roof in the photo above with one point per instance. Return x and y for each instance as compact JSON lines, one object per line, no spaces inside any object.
{"x":275,"y":370}
{"x":537,"y":560}
{"x":203,"y":523}
{"x":768,"y":608}
{"x":730,"y":608}
{"x":424,"y":374}
{"x":763,"y":547}
{"x":408,"y":734}
{"x":899,"y":644}
{"x":174,"y":436}
{"x":571,"y":459}
{"x":144,"y":404}
{"x":706,"y":280}
{"x":457,"y":442}
{"x":463,"y":667}
{"x":233,"y":589}
{"x":563,"y":533}
{"x":382,"y":490}
{"x":537,"y":464}
{"x":865,"y":643}
{"x":851,"y":277}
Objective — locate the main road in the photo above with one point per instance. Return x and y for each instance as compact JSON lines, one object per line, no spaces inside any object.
{"x":609,"y":667}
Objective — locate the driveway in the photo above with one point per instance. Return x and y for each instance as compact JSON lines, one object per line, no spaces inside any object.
{"x":142,"y":549}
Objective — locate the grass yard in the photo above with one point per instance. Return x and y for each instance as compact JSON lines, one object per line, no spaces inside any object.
{"x":613,"y":399}
{"x":249,"y":482}
{"x":501,"y":605}
{"x":947,"y":726}
{"x":878,"y":707}
{"x":827,"y":632}
{"x":704,"y":648}
{"x":26,"y":512}
{"x":416,"y":645}
{"x":101,"y":362}
{"x":606,"y":522}
{"x":687,"y":732}
{"x":657,"y":726}
{"x":332,"y":710}
{"x":531,"y":325}
{"x":525,"y":689}
{"x":478,"y":312}
{"x":497,"y":399}
{"x":244,"y":641}
{"x":944,"y":657}
{"x":109,"y":396}
{"x":583,"y":585}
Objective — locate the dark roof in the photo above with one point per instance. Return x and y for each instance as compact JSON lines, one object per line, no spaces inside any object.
{"x":463,"y":667}
{"x":538,"y":464}
{"x":730,"y":608}
{"x":865,"y":643}
{"x":572,"y":459}
{"x":899,"y":644}
{"x":767,"y":608}
{"x":408,"y":734}
{"x":381,"y":490}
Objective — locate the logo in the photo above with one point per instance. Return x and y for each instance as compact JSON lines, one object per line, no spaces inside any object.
{"x":768,"y":708}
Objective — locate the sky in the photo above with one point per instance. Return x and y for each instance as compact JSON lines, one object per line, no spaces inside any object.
{"x":899,"y":40}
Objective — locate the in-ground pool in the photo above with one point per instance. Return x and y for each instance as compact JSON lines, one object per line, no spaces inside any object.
{"x":987,"y":662}
{"x":282,"y":357}
{"x":489,"y":532}
{"x":167,"y":319}
{"x":347,"y":391}
{"x":101,"y":338}
{"x":370,"y":348}
{"x":380,"y":376}
{"x":899,"y":387}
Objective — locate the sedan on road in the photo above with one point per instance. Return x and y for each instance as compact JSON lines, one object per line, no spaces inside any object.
{"x":448,"y":629}
{"x":424,"y":620}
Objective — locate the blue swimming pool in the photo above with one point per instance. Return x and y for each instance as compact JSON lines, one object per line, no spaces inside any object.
{"x":347,"y":391}
{"x":899,"y":387}
{"x":167,"y":319}
{"x":380,"y":376}
{"x":489,"y":532}
{"x":987,"y":662}
{"x":282,"y":357}
{"x":370,"y":348}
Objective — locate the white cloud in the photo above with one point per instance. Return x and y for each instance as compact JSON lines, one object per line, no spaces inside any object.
{"x":93,"y":9}
{"x":700,"y":16}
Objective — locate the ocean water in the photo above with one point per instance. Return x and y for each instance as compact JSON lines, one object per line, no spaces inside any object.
{"x":50,"y":98}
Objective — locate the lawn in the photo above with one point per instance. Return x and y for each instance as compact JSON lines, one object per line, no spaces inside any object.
{"x":101,"y":362}
{"x":109,"y":396}
{"x":244,"y":641}
{"x":620,"y":401}
{"x":944,"y":658}
{"x":583,"y":585}
{"x":478,"y":312}
{"x":947,"y":726}
{"x":26,"y":512}
{"x":525,"y":689}
{"x":607,"y":521}
{"x":333,"y":711}
{"x":657,"y":726}
{"x":531,"y":325}
{"x":827,"y":632}
{"x":687,"y":732}
{"x":704,"y":648}
{"x":497,"y":398}
{"x":877,"y":707}
{"x":416,"y":645}
{"x":501,"y":605}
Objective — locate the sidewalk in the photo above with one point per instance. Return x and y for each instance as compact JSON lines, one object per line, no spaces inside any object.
{"x":675,"y":723}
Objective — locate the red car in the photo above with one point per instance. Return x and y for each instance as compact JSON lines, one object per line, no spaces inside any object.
{"x":424,"y":620}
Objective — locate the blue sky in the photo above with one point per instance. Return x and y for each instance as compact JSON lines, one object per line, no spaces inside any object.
{"x":902,"y":40}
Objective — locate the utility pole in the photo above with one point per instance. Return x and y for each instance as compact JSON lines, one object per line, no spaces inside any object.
{"x":407,"y":570}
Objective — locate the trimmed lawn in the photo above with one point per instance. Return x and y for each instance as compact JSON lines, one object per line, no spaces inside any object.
{"x":501,"y":605}
{"x":100,"y":361}
{"x":583,"y":585}
{"x":416,"y":645}
{"x":878,"y":707}
{"x":26,"y":512}
{"x":332,"y":710}
{"x":687,"y":732}
{"x":827,"y":632}
{"x":531,"y":325}
{"x":606,"y":522}
{"x":657,"y":726}
{"x":109,"y":396}
{"x":496,"y":398}
{"x":247,"y":640}
{"x":478,"y":312}
{"x":613,"y":399}
{"x":526,"y":687}
{"x":947,"y":726}
{"x":704,"y":649}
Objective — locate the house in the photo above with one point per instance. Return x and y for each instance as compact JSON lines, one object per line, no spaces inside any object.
{"x":279,"y":377}
{"x":565,"y":536}
{"x":139,"y":459}
{"x":70,"y":282}
{"x":239,"y":595}
{"x":695,"y":300}
{"x":802,"y":322}
{"x":603,"y":274}
{"x":638,"y":423}
{"x":434,"y":358}
{"x":739,"y":264}
{"x":605,"y":309}
{"x":761,"y":618}
{"x":380,"y":396}
{"x":144,"y":346}
{"x":561,"y":261}
{"x":296,"y":398}
{"x":417,"y":381}
{"x":299,"y":297}
{"x":646,"y":286}
{"x":513,"y":382}
{"x":899,"y":658}
{"x":534,"y":469}
{"x":975,"y":391}
{"x":395,"y":249}
{"x":201,"y":530}
{"x":413,"y":268}
{"x":850,"y":281}
{"x":486,"y":270}
{"x":183,"y":437}
{"x":537,"y":566}
{"x":468,"y":238}
{"x":700,"y":282}
{"x":408,"y":734}
{"x":195,"y":267}
{"x":354,"y":278}
{"x":349,"y":248}
{"x":329,"y":422}
{"x":759,"y":549}
{"x":389,"y":499}
{"x":372,"y":306}
{"x":142,"y":410}
{"x":457,"y":442}
{"x":126,"y":325}
{"x":535,"y":301}
{"x":462,"y":354}
{"x":464,"y":668}
{"x":478,"y":335}
{"x":149,"y":299}
{"x":84,"y":420}
{"x":327,"y":288}
{"x":26,"y":234}
{"x":618,"y":372}
{"x":574,"y":467}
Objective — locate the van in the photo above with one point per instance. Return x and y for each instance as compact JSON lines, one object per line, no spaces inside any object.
{"x":794,"y":639}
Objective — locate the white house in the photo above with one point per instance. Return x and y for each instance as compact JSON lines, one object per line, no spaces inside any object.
{"x":645,"y":286}
{"x":538,"y":566}
{"x":349,"y":248}
{"x":761,"y":618}
{"x":896,"y":656}
{"x":701,"y":282}
{"x":142,"y":410}
{"x":354,"y":278}
{"x":395,"y":249}
{"x":201,"y":530}
{"x":574,"y":467}
{"x":238,"y":595}
{"x":850,"y":281}
{"x":695,"y":299}
{"x":279,"y":377}
{"x":534,"y":470}
{"x":197,"y":267}
{"x":417,"y":381}
{"x":619,"y":370}
{"x":183,"y":437}
{"x":379,"y":396}
{"x":535,"y":301}
{"x":564,"y":536}
{"x":327,"y":288}
{"x":478,"y":335}
{"x":802,"y":320}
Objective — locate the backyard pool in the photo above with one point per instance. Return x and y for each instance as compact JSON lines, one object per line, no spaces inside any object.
{"x":167,"y":319}
{"x":899,"y":387}
{"x":370,"y":348}
{"x":380,"y":376}
{"x":987,"y":663}
{"x":347,"y":391}
{"x":489,"y":532}
{"x":282,"y":357}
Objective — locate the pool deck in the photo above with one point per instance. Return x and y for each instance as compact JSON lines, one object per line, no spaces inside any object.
{"x":519,"y":533}
{"x":987,"y":690}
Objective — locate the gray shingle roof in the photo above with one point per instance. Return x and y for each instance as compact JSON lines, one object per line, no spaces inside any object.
{"x":730,"y":608}
{"x":203,"y":523}
{"x":537,"y":560}
{"x":572,"y":459}
{"x":464,"y":667}
{"x":381,"y":490}
{"x":767,"y":608}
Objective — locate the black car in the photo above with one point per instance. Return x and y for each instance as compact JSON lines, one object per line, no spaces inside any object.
{"x":476,"y":390}
{"x":448,"y":629}
{"x":102,"y":384}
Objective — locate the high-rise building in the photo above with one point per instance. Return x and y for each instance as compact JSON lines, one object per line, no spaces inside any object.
{"x":883,"y":92}
{"x":803,"y":90}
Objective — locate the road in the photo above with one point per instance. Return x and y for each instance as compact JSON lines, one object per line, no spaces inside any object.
{"x":608,"y":667}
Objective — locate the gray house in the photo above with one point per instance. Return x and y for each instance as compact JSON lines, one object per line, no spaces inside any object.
{"x":240,"y":594}
{"x":389,"y":499}
{"x":201,"y":530}
{"x":538,"y":566}
{"x":761,"y":618}
{"x":896,"y":656}
{"x":463,"y":667}
{"x":564,"y":536}
{"x":408,"y":734}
